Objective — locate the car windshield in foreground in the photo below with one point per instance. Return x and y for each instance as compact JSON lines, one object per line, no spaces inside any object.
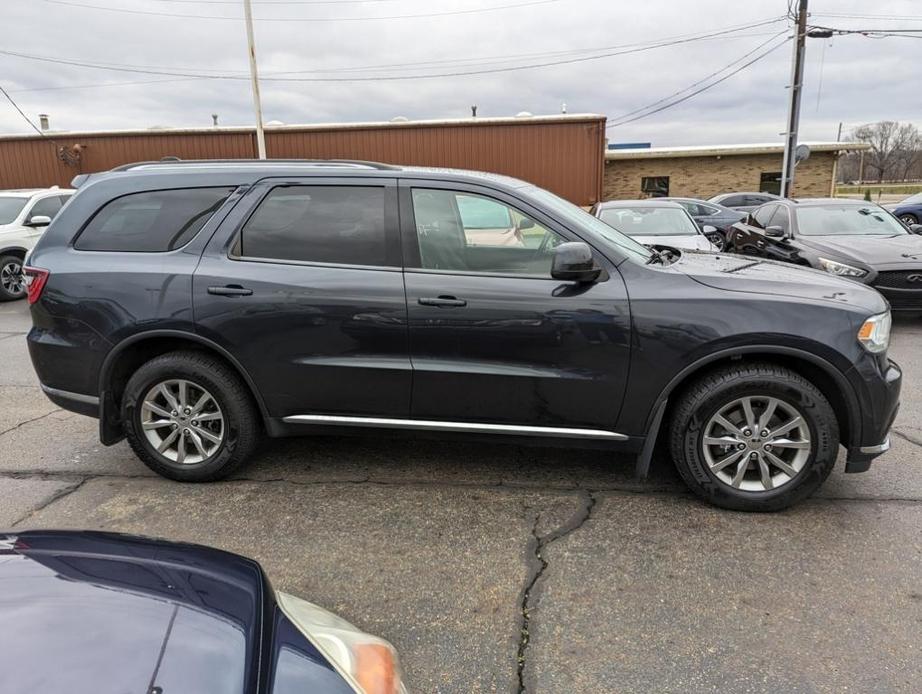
{"x":650,"y":221}
{"x":581,"y":219}
{"x":847,"y":220}
{"x":10,"y":207}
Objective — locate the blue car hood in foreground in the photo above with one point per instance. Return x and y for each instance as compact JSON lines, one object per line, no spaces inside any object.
{"x":94,"y":613}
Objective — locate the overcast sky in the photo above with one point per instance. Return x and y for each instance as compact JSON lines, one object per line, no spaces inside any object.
{"x":849,"y":78}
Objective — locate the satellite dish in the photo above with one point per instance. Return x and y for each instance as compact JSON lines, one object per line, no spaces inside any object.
{"x":801,"y":153}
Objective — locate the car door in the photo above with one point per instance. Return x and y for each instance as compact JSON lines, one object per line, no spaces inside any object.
{"x":303,"y":286}
{"x":779,"y":248}
{"x":748,"y":237}
{"x":493,"y":338}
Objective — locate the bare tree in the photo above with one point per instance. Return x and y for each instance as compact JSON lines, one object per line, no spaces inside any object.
{"x":894,"y":148}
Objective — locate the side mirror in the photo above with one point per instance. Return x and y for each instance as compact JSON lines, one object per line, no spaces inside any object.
{"x":573,"y":262}
{"x":525,"y":223}
{"x":775,"y":232}
{"x":915,"y":228}
{"x":708,"y":229}
{"x":38,"y":220}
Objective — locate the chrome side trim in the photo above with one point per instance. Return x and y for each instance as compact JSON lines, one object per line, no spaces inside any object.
{"x":879,"y":448}
{"x":67,"y":395}
{"x":470,"y":427}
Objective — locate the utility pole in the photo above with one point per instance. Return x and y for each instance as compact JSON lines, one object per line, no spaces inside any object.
{"x":797,"y":78}
{"x":254,"y":77}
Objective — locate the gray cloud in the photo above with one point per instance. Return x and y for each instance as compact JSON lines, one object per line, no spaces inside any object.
{"x":862,"y":79}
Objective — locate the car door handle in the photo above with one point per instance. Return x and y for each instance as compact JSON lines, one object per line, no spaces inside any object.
{"x":446,"y":301}
{"x":230,"y":290}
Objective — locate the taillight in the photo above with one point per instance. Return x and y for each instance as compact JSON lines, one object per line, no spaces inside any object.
{"x":35,"y":282}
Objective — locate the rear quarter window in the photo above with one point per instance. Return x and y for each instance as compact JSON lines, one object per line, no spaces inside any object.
{"x":151,"y":222}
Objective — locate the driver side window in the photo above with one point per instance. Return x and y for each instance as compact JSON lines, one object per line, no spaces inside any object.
{"x":473,"y":233}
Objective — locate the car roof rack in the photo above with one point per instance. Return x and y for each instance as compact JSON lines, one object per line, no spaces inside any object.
{"x":333,"y":163}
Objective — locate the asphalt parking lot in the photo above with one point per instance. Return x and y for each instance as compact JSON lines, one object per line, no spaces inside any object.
{"x":496,"y":567}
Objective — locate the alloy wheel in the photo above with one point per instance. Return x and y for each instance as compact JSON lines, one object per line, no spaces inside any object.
{"x":182,"y":421}
{"x":908,"y":220}
{"x":11,"y":278}
{"x":756,"y":443}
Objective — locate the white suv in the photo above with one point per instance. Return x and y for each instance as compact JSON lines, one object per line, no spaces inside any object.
{"x":24,"y":215}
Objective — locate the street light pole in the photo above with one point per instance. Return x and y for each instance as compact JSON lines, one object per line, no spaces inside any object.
{"x":254,"y":77}
{"x":797,"y":78}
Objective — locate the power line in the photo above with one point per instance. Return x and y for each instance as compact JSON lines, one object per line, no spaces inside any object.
{"x":479,"y":10}
{"x":551,"y":63}
{"x":21,"y":112}
{"x":702,"y":80}
{"x":618,"y":121}
{"x":885,"y":17}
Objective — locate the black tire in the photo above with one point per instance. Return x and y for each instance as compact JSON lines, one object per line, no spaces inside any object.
{"x":241,"y":416}
{"x":8,"y":287}
{"x":704,"y":398}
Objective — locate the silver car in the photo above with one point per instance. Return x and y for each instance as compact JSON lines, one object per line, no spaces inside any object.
{"x":658,"y":223}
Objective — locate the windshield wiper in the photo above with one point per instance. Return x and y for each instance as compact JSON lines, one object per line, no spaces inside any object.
{"x":655,"y":257}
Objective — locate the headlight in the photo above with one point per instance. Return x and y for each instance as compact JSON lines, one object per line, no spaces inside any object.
{"x":874,"y":334}
{"x":366,"y":662}
{"x":841,"y":269}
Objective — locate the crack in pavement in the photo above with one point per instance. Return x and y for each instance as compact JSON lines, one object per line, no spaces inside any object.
{"x":29,"y":421}
{"x":906,"y":437}
{"x":537,"y":564}
{"x":4,"y":336}
{"x":57,"y":496}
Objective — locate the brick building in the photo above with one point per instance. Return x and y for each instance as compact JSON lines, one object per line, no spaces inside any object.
{"x":701,"y":172}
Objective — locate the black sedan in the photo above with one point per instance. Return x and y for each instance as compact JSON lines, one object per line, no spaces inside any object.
{"x":743,"y":202}
{"x":849,"y":238}
{"x":709,"y":213}
{"x":87,"y":613}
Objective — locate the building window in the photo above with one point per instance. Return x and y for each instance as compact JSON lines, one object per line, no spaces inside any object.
{"x":770,"y":183}
{"x":655,"y":186}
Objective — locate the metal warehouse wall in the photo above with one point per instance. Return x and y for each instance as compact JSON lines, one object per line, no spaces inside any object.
{"x":563,"y":154}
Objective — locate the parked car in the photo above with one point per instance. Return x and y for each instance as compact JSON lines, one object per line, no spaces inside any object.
{"x":743,"y":202}
{"x":711,"y":214}
{"x":849,"y":238}
{"x":657,"y":223}
{"x":193,"y":306}
{"x":104,"y":612}
{"x":909,"y":211}
{"x":24,"y":214}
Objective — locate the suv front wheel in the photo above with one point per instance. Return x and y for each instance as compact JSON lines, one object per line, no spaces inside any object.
{"x":189,"y":417}
{"x":754,"y":437}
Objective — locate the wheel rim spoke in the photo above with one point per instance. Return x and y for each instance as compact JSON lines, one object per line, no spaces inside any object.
{"x":765,"y":474}
{"x":779,"y":463}
{"x":721,"y":441}
{"x":167,"y":441}
{"x":208,"y":417}
{"x":197,"y":442}
{"x":728,"y":425}
{"x":729,"y":460}
{"x":183,"y":395}
{"x":787,"y":443}
{"x":207,"y":435}
{"x":168,"y":396}
{"x":767,"y":413}
{"x":740,"y":472}
{"x":156,"y":409}
{"x":785,"y":428}
{"x":157,"y":424}
{"x":750,"y":415}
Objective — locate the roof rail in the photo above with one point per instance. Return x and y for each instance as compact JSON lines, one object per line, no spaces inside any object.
{"x":172,"y":161}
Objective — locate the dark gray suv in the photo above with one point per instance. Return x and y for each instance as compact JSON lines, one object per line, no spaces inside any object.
{"x":193,"y":306}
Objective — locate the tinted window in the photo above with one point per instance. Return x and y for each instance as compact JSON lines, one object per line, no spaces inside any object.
{"x":160,"y":220}
{"x":781,"y":218}
{"x":763,"y":214}
{"x":10,"y":208}
{"x":46,"y":207}
{"x":757,"y":199}
{"x":734,"y":201}
{"x":460,"y":231}
{"x":322,"y":224}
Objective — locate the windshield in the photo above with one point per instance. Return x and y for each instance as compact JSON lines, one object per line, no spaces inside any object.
{"x":847,"y":220}
{"x":581,"y":219}
{"x":10,"y":208}
{"x":912,"y":200}
{"x":650,"y":221}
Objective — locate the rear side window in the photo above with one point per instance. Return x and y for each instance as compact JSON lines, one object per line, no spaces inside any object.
{"x":46,"y":207}
{"x":343,"y":225}
{"x":151,"y":222}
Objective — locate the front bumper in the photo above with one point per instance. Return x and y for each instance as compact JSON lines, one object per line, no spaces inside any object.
{"x":878,"y":389}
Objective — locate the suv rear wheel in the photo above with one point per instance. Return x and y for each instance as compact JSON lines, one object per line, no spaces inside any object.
{"x":189,"y":417}
{"x":12,"y":285}
{"x":754,"y":437}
